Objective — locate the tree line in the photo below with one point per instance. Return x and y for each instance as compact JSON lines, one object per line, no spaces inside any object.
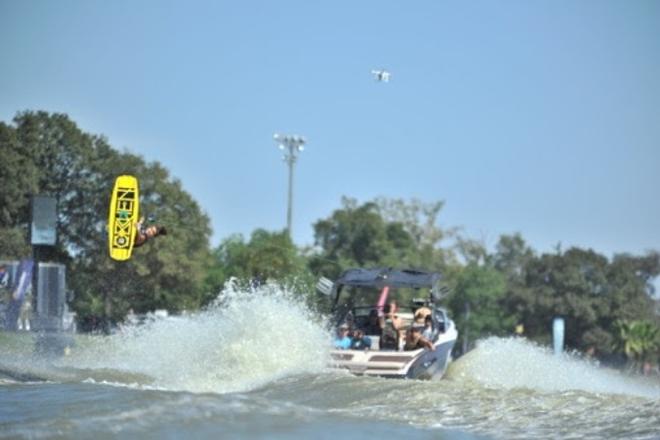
{"x":607,"y":303}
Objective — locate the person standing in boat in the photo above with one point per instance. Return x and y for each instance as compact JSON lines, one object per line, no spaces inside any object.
{"x":391,"y":328}
{"x":389,"y":312}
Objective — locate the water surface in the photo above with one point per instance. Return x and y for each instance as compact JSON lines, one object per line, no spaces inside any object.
{"x":255,"y":366}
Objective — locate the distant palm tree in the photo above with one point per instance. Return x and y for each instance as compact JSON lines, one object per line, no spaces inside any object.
{"x":639,"y":340}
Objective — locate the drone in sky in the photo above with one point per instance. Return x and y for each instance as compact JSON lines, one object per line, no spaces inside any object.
{"x":381,"y":75}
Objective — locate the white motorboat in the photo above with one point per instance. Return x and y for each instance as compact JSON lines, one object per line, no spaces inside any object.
{"x":359,"y":293}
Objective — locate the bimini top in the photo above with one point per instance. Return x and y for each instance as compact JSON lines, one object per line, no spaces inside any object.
{"x":381,"y":277}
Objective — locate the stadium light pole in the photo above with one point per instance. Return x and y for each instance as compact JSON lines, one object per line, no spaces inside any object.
{"x":291,"y":146}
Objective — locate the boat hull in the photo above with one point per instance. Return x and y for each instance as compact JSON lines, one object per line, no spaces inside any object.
{"x":417,"y":364}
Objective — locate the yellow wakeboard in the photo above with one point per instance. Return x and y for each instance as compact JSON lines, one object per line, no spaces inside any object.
{"x":122,"y":218}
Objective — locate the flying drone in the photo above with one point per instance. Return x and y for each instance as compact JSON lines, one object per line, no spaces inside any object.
{"x":381,"y":75}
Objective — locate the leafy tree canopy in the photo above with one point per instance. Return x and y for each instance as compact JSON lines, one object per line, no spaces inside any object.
{"x":48,"y":154}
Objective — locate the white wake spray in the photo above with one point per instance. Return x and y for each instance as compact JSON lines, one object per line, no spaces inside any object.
{"x":247,"y":339}
{"x":518,"y":363}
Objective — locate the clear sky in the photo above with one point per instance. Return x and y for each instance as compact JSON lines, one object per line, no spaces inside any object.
{"x":538,"y":117}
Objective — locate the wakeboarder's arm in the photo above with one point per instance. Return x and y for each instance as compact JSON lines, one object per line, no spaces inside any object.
{"x":140,"y":236}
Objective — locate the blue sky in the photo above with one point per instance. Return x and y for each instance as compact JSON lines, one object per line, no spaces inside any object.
{"x":535,"y":117}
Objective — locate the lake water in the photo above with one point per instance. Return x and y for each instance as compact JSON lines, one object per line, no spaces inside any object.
{"x":255,"y":367}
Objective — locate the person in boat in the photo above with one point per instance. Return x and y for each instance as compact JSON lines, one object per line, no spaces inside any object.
{"x":342,"y":340}
{"x":390,"y":328}
{"x":415,"y":340}
{"x":427,"y":331}
{"x":373,"y":325}
{"x":389,"y":312}
{"x":4,"y":283}
{"x":421,"y":314}
{"x":144,"y":233}
{"x":360,"y":341}
{"x":5,"y":295}
{"x":349,"y":320}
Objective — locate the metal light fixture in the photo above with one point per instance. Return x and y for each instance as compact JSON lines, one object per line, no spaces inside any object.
{"x":291,"y":145}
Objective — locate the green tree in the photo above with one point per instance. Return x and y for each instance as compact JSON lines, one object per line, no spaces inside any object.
{"x":476,"y":303}
{"x":473,"y":251}
{"x":638,"y":340}
{"x":60,"y":151}
{"x":630,"y":280}
{"x":18,"y":179}
{"x":572,"y":285}
{"x":420,"y":221}
{"x":48,"y":154}
{"x":266,"y":257}
{"x":588,"y":290}
{"x":358,"y":236}
{"x":511,"y":258}
{"x":384,"y":232}
{"x":512,"y":255}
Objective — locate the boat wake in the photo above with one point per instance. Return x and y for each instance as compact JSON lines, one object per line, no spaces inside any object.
{"x":251,"y":339}
{"x":263,"y":352}
{"x":248,"y":338}
{"x":516,"y":363}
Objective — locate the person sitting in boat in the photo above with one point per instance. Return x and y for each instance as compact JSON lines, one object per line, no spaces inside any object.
{"x":415,"y":340}
{"x":390,"y":328}
{"x":360,"y":341}
{"x":428,"y":331}
{"x":373,"y":325}
{"x":421,"y":314}
{"x":342,"y":340}
{"x":144,"y":233}
{"x":349,"y":320}
{"x":4,"y":284}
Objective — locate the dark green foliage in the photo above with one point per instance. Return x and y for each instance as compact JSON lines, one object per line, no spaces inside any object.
{"x":354,"y":236}
{"x":48,"y":154}
{"x":267,"y":257}
{"x":420,"y":221}
{"x":588,"y":290}
{"x":477,"y":301}
{"x":639,"y":340}
{"x":19,"y":180}
{"x":380,"y":233}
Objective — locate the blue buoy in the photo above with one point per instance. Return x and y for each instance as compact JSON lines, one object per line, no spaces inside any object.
{"x":558,"y":334}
